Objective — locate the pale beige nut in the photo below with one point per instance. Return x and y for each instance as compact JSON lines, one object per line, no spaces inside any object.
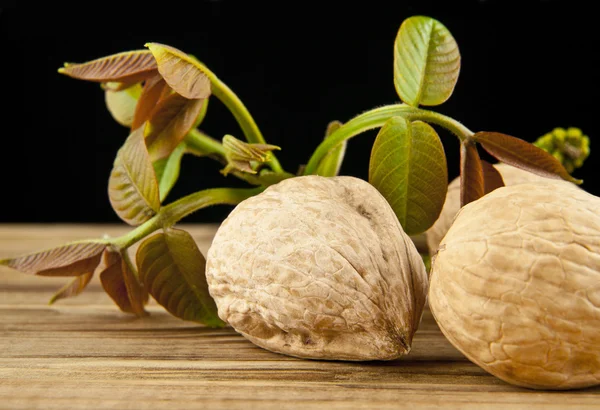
{"x":318,"y":268}
{"x":515,"y":285}
{"x":510,"y":175}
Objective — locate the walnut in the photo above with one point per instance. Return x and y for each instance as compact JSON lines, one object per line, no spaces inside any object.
{"x":318,"y":268}
{"x":515,"y":285}
{"x":510,"y":175}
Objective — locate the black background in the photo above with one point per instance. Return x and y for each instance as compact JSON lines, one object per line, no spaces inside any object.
{"x":297,"y":66}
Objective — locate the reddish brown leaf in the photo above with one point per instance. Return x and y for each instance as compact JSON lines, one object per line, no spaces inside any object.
{"x":138,"y":295}
{"x":491,"y":177}
{"x":151,"y":94}
{"x":170,"y":121}
{"x":114,"y":285}
{"x":132,"y":186}
{"x":471,"y":174}
{"x":72,"y":259}
{"x":183,"y":74}
{"x":122,"y":287}
{"x":73,"y":288}
{"x":521,"y":154}
{"x":129,"y":67}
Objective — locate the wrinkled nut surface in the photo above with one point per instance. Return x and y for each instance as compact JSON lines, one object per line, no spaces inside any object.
{"x":515,"y":285}
{"x":318,"y":268}
{"x":510,"y":175}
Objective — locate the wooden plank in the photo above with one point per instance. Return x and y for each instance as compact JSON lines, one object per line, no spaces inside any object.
{"x":84,"y":353}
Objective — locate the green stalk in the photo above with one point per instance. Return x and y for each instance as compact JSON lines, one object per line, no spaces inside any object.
{"x":174,"y":212}
{"x":183,"y":207}
{"x":240,"y":113}
{"x":204,"y":144}
{"x":376,"y":118}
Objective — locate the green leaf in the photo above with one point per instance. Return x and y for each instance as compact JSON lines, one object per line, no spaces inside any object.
{"x":120,"y":283}
{"x":332,"y":162}
{"x":122,"y":103}
{"x":71,"y":259}
{"x":170,"y":121}
{"x":408,"y":167}
{"x":522,"y":154}
{"x":154,"y":89}
{"x":426,"y":62}
{"x":128,"y":67}
{"x":183,"y":73}
{"x":492,"y":179}
{"x":167,"y":170}
{"x":73,"y":288}
{"x":132,"y":186}
{"x":472,"y":186}
{"x":172,"y":269}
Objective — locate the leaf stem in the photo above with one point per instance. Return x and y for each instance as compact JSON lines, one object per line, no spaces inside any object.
{"x":183,"y":207}
{"x":204,"y":144}
{"x":377,"y":118}
{"x":240,"y":113}
{"x":174,"y":212}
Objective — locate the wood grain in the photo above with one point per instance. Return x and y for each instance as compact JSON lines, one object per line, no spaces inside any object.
{"x":83,"y":353}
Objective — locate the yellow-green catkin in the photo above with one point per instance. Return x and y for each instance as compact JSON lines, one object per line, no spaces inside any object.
{"x":570,"y":146}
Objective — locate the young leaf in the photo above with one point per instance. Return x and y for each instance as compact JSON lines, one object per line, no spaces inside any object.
{"x":151,"y":93}
{"x":116,"y":86}
{"x":183,"y":73}
{"x":167,"y":170}
{"x":242,"y":156}
{"x":122,"y":103}
{"x":331,"y":163}
{"x":170,"y":121}
{"x":172,"y":270}
{"x":408,"y":167}
{"x":121,"y":285}
{"x":426,"y":62}
{"x":521,"y":154}
{"x":472,"y":186}
{"x":73,"y":288}
{"x":132,"y":186}
{"x":492,"y":179}
{"x":202,"y":113}
{"x":128,"y":67}
{"x":114,"y":285}
{"x":71,"y":259}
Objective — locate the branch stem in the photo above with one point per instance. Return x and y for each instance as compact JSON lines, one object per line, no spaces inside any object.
{"x":174,"y":212}
{"x":376,"y":118}
{"x":240,"y":113}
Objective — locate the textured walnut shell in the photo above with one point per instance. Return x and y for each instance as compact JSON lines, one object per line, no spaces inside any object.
{"x":318,"y":268}
{"x":515,"y":285}
{"x":510,"y":175}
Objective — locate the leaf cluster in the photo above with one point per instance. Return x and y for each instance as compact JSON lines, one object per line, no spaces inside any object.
{"x":161,"y":95}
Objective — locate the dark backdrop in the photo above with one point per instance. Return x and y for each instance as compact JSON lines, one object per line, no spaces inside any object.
{"x":296,"y":65}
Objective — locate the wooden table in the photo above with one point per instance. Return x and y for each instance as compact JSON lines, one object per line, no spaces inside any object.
{"x":84,"y":353}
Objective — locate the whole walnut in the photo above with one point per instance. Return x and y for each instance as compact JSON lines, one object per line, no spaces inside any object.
{"x":318,"y":268}
{"x":515,"y":285}
{"x":510,"y":175}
